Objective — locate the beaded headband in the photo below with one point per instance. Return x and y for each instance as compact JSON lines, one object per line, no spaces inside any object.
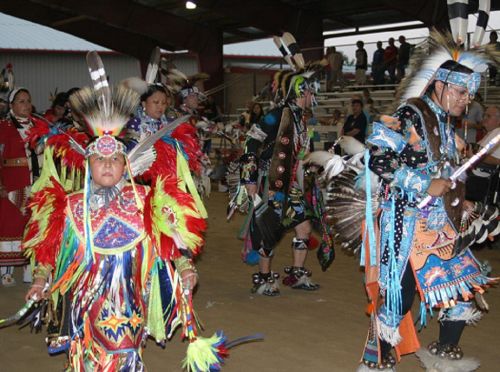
{"x":470,"y":81}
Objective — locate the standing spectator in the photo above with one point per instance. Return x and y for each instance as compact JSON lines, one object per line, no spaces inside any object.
{"x":378,"y":65}
{"x":361,"y":63}
{"x":335,"y":61}
{"x":356,"y":123}
{"x":391,"y":60}
{"x":493,"y":68}
{"x":403,"y":57}
{"x":20,"y":166}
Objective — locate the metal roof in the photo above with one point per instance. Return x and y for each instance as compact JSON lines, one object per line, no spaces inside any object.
{"x":263,"y":47}
{"x":135,"y":27}
{"x":21,"y":34}
{"x":25,"y":35}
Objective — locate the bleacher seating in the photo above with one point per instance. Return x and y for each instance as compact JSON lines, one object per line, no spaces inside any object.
{"x":382,"y":95}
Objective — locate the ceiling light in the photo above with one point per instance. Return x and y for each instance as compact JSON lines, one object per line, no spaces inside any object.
{"x":341,"y":31}
{"x":190,"y":5}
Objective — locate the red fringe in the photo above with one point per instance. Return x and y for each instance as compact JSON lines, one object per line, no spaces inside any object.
{"x":186,"y":135}
{"x":60,"y":142}
{"x":45,"y":252}
{"x":64,"y":151}
{"x":166,"y":154}
{"x":165,"y":162}
{"x":196,"y":225}
{"x":39,"y":129}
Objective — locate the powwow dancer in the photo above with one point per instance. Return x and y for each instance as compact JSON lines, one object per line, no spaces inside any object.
{"x":411,"y":244}
{"x":20,"y":166}
{"x":190,"y":97}
{"x":119,"y":254}
{"x":420,"y":246}
{"x":155,"y":98}
{"x":178,"y":139}
{"x":273,"y":178}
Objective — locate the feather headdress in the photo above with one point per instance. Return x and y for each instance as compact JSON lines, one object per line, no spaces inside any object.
{"x":190,"y":87}
{"x":290,"y":84}
{"x":122,"y":103}
{"x":290,"y":50}
{"x":428,"y":58}
{"x":177,"y":82}
{"x":141,"y":86}
{"x":104,"y":111}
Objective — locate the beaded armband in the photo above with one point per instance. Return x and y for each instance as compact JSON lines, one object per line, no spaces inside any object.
{"x":42,"y":272}
{"x":183,"y":263}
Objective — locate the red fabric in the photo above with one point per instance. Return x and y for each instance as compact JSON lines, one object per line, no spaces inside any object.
{"x":12,"y":221}
{"x":390,"y":55}
{"x":12,"y":178}
{"x":313,"y":243}
{"x":186,"y":135}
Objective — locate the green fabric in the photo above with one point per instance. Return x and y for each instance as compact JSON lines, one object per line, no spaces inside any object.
{"x":155,"y":323}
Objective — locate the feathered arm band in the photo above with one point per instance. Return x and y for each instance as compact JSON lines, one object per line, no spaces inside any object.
{"x":173,"y":220}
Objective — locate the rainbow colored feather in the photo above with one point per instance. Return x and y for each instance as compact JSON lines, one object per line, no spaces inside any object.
{"x":172,"y":220}
{"x":43,"y":233}
{"x":206,"y":354}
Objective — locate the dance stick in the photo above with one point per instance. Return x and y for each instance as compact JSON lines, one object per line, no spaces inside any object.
{"x":465,"y":166}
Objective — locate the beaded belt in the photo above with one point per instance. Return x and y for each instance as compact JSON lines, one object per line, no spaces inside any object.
{"x":17,"y":162}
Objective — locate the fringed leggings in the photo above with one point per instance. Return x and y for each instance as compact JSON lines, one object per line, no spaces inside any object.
{"x":449,"y":331}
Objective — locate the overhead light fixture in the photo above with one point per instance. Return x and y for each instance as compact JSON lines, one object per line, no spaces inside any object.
{"x":392,"y":25}
{"x":190,"y":5}
{"x":341,"y":31}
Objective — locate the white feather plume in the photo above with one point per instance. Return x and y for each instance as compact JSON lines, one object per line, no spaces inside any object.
{"x":136,"y":84}
{"x":350,"y":145}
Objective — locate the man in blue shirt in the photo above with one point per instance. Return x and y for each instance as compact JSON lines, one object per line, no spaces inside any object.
{"x":356,"y":123}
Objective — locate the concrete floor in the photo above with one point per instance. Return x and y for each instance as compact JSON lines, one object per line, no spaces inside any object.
{"x":304,"y":331}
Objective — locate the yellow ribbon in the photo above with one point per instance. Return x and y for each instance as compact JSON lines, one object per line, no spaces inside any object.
{"x":184,"y":175}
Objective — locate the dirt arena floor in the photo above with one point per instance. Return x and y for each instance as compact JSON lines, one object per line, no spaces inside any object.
{"x":304,"y":331}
